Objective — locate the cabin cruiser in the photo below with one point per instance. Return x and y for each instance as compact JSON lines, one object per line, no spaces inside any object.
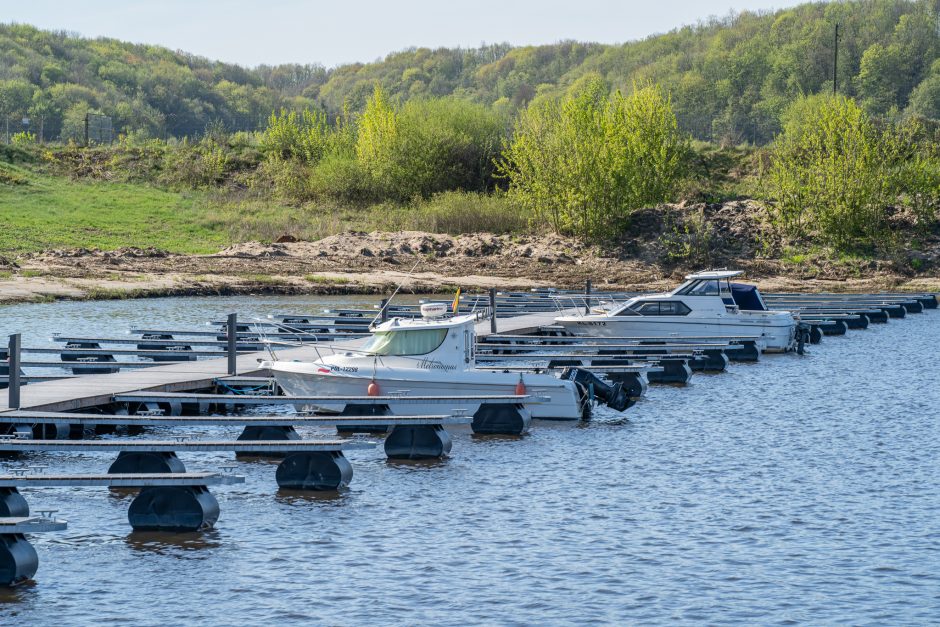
{"x":434,"y":356}
{"x":707,"y":304}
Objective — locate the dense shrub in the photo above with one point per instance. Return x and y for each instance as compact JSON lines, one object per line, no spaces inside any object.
{"x":468,"y":212}
{"x":428,"y":146}
{"x":584,"y":163}
{"x":834,"y":172}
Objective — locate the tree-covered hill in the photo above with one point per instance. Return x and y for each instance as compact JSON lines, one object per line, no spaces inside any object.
{"x":729,"y":78}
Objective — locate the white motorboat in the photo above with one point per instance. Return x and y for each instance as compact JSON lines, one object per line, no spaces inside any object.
{"x":708,"y":304}
{"x":434,"y":356}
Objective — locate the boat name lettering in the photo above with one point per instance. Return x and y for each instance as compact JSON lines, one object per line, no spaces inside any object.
{"x":433,"y":364}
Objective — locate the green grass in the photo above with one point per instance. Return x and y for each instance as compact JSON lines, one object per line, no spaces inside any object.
{"x":263,"y":279}
{"x":108,"y":293}
{"x":795,"y":257}
{"x":325,"y":280}
{"x":56,"y":212}
{"x":45,"y":211}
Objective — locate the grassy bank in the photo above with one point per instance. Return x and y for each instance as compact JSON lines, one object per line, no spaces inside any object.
{"x":43,"y":211}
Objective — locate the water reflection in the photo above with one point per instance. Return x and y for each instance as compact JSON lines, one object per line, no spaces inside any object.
{"x":417,"y":463}
{"x":493,"y":437}
{"x":169,"y":542}
{"x":305,"y":497}
{"x":20,"y":593}
{"x":122,"y":495}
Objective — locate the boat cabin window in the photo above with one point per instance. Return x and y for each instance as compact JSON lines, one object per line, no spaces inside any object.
{"x":704,"y":287}
{"x":661,"y":308}
{"x":405,"y":342}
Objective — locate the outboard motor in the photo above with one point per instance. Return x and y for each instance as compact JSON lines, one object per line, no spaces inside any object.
{"x":802,"y":337}
{"x":612,"y":395}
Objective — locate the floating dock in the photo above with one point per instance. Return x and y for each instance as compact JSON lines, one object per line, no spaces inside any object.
{"x":187,"y":370}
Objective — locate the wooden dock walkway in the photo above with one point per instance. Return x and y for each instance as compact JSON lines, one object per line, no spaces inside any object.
{"x":97,"y":389}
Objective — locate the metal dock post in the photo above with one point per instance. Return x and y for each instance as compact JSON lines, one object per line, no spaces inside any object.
{"x":232,"y":328}
{"x":13,"y":389}
{"x":492,"y":310}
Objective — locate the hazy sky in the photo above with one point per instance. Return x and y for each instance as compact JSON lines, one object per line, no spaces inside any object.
{"x":281,"y":31}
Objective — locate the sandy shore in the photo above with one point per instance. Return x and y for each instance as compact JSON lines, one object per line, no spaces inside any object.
{"x":377,"y":262}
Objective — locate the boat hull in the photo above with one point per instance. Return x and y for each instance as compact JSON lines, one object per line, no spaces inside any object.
{"x":303,"y":379}
{"x":777,"y":332}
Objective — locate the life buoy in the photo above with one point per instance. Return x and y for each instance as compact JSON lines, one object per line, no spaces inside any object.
{"x":373,"y":389}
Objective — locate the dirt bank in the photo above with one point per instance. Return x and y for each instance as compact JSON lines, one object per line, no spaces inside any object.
{"x":656,"y":252}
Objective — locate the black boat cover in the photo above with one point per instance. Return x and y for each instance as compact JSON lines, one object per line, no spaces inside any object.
{"x":747,"y":298}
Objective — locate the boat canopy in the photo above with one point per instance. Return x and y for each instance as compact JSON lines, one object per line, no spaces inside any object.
{"x":747,"y":298}
{"x":404,"y":342}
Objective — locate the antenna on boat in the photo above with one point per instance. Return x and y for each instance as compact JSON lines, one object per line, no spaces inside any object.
{"x":389,"y":301}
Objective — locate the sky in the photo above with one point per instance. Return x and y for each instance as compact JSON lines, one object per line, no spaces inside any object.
{"x":252,"y":32}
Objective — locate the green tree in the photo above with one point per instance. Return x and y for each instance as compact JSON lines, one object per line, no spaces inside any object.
{"x":442,"y":144}
{"x":304,"y":136}
{"x":15,"y":96}
{"x":40,"y":109}
{"x":584,"y":163}
{"x":925,"y":99}
{"x":830,"y":171}
{"x":378,"y":128}
{"x":881,"y":78}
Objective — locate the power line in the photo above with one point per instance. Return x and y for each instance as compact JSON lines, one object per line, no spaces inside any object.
{"x":835,"y":62}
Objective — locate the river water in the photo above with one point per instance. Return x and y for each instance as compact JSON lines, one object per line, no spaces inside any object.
{"x":794,"y":490}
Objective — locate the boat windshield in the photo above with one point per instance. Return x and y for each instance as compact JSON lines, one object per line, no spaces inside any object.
{"x":405,"y":342}
{"x":701,"y":287}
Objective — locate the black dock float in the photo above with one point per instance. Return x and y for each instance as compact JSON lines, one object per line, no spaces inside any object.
{"x":928,"y":301}
{"x":320,"y":470}
{"x":859,"y":321}
{"x":672,"y":370}
{"x":153,"y":347}
{"x":502,"y":419}
{"x":816,"y":334}
{"x":833,"y":327}
{"x":426,"y":433}
{"x":18,"y":558}
{"x":675,"y":371}
{"x":749,"y":352}
{"x":711,"y":360}
{"x":166,"y":501}
{"x":94,"y":354}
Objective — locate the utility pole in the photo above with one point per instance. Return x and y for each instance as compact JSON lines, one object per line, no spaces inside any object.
{"x":835,"y":62}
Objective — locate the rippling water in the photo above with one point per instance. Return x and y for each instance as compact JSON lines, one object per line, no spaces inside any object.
{"x":794,"y":490}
